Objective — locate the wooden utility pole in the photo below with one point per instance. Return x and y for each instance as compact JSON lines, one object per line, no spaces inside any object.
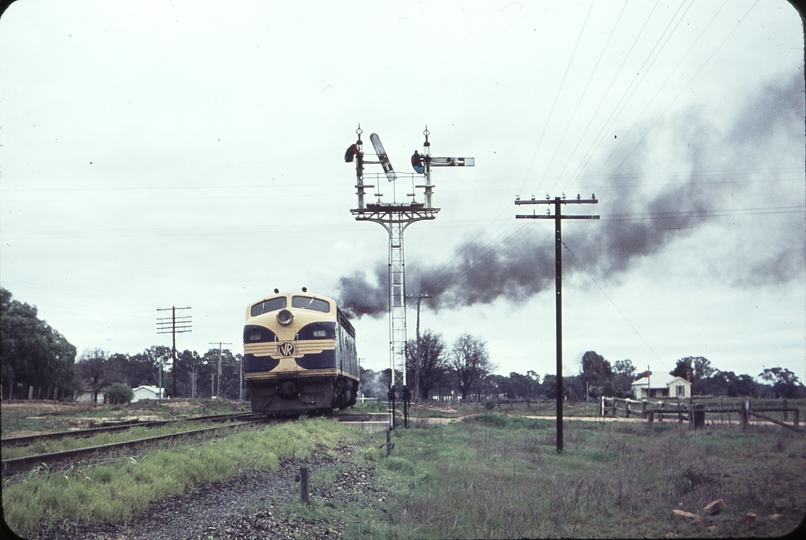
{"x":419,"y":298}
{"x":173,"y":325}
{"x":220,"y":348}
{"x":558,"y":256}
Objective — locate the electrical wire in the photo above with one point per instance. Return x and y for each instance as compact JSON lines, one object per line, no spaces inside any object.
{"x":556,"y":97}
{"x":615,"y":306}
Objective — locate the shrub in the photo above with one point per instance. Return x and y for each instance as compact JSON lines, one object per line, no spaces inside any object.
{"x":119,"y":393}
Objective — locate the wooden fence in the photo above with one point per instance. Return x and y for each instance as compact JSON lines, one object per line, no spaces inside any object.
{"x":695,"y":413}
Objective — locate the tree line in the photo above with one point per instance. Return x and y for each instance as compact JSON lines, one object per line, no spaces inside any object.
{"x":36,"y":356}
{"x":465,"y":370}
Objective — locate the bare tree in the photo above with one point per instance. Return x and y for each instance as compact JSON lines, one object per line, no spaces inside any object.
{"x":96,"y":371}
{"x":426,"y":361}
{"x":470,"y":362}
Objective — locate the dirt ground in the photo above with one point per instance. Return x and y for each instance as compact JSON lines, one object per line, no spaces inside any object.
{"x":44,"y":406}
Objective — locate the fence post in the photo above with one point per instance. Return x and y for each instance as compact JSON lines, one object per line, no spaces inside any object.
{"x":388,"y":442}
{"x":786,"y":417}
{"x":797,"y":419}
{"x":651,"y":421}
{"x":303,"y":485}
{"x":743,"y":415}
{"x":679,"y":412}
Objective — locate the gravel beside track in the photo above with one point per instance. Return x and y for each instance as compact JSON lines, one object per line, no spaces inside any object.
{"x":246,"y":507}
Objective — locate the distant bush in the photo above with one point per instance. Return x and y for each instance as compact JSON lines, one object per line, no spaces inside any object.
{"x":119,"y":393}
{"x":489,"y":404}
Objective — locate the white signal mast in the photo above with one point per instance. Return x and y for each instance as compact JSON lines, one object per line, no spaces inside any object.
{"x":395,"y":217}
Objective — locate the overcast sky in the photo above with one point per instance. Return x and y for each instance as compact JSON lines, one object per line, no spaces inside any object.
{"x":159,"y":154}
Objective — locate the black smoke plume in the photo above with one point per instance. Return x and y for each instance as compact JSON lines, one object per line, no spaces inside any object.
{"x":636,"y":223}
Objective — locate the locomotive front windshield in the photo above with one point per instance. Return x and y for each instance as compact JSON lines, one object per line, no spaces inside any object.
{"x":271,"y":304}
{"x":309,"y":302}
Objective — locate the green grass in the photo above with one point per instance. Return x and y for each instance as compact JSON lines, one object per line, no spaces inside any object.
{"x":489,"y":476}
{"x":117,"y":490}
{"x":494,"y":476}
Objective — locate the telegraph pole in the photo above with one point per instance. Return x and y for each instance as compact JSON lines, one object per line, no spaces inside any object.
{"x":395,"y":217}
{"x":558,"y":267}
{"x":173,"y":325}
{"x":220,"y":346}
{"x":419,"y":298}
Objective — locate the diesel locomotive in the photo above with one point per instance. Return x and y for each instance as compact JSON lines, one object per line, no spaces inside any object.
{"x":299,"y":354}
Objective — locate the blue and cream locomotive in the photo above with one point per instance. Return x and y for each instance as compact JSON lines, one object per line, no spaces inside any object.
{"x":299,"y":354}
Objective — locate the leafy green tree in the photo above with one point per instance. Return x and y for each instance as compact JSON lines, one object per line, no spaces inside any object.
{"x":548,"y":388}
{"x":596,"y":371}
{"x":784,"y":382}
{"x":119,"y":393}
{"x":469,"y":362}
{"x":33,"y":353}
{"x":624,"y":373}
{"x":523,"y":386}
{"x":194,"y":375}
{"x":230,"y":371}
{"x":144,"y":368}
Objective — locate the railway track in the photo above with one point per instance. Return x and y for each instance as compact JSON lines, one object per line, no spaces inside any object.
{"x":123,"y":426}
{"x":13,"y":466}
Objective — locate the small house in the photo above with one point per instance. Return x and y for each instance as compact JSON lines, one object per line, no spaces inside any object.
{"x":147,"y":392}
{"x":661,"y":386}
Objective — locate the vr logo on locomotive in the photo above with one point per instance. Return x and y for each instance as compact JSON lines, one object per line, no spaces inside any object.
{"x":286,"y":348}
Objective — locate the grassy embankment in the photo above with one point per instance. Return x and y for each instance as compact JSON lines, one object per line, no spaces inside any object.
{"x":115,"y":491}
{"x":493,"y":476}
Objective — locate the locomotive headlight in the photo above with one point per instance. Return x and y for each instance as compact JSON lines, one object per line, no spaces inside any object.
{"x":284,"y":317}
{"x":254,"y":337}
{"x":320,"y":333}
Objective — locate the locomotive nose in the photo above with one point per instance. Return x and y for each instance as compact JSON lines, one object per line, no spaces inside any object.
{"x":284,"y":317}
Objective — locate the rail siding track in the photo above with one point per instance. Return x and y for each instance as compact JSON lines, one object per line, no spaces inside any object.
{"x":79,"y":433}
{"x":14,"y":465}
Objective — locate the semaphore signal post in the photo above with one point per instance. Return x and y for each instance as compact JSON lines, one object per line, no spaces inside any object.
{"x":558,"y":266}
{"x":395,"y":217}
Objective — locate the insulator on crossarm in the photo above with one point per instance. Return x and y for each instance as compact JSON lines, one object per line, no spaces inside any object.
{"x":593,"y":196}
{"x":578,"y":197}
{"x":548,"y":196}
{"x":533,"y":197}
{"x":563,"y":196}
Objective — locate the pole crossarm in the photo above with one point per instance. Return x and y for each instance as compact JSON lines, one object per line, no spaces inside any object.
{"x":554,"y":201}
{"x":564,"y":216}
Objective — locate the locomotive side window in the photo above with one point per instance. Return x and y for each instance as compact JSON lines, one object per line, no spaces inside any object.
{"x":309,"y":302}
{"x":272,"y":304}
